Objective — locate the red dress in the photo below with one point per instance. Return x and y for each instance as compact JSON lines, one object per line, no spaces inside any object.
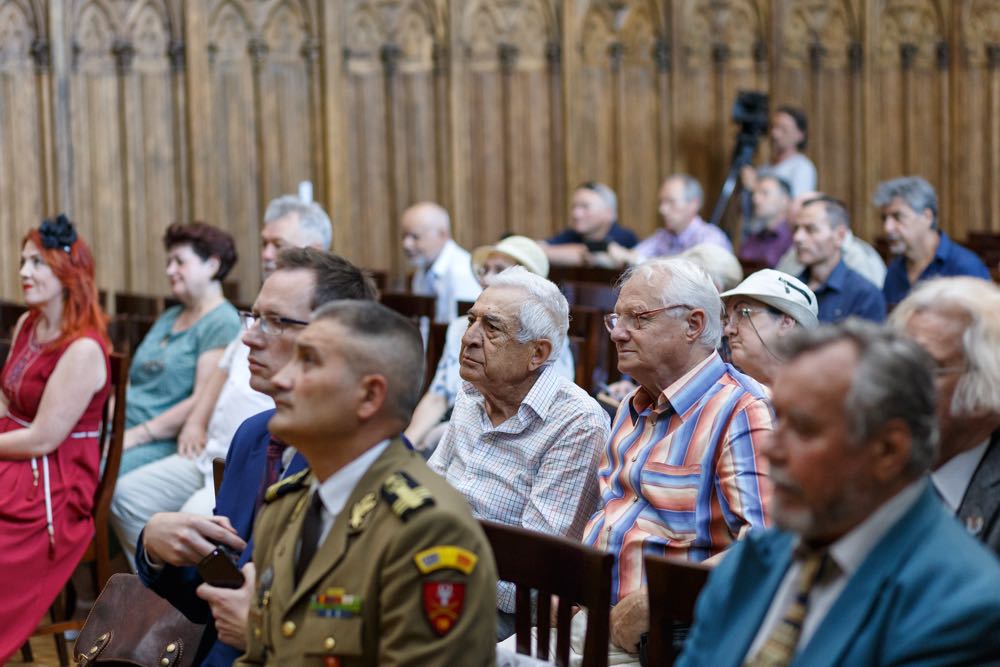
{"x":33,"y":566}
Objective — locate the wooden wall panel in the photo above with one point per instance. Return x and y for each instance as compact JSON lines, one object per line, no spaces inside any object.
{"x":130,"y":114}
{"x":22,"y":147}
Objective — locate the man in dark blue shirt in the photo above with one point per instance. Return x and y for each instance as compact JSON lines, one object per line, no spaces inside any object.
{"x":818,"y":232}
{"x":593,"y":224}
{"x":909,"y":212}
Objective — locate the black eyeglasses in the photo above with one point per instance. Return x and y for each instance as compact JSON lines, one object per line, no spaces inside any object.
{"x":270,"y":325}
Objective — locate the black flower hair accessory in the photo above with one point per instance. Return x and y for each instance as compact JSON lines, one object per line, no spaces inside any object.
{"x":57,"y":232}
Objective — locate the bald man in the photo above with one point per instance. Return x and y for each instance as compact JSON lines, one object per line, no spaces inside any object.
{"x":443,"y":268}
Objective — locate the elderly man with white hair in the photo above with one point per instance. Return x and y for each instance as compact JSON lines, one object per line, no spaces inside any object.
{"x":682,"y":474}
{"x":523,"y":442}
{"x":957,"y":321}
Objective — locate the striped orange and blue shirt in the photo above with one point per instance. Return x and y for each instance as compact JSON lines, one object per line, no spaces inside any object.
{"x":682,"y":475}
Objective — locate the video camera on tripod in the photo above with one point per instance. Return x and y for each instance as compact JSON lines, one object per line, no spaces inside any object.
{"x":750,"y":111}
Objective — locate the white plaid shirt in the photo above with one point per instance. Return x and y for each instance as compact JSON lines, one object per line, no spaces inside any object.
{"x":537,"y":470}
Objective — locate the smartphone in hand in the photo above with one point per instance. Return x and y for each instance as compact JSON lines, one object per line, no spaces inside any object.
{"x":219,"y":569}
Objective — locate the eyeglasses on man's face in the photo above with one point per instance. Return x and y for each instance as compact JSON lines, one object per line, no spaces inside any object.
{"x":270,"y":325}
{"x":635,"y":321}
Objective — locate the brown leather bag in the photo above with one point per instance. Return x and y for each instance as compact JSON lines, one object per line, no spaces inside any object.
{"x":132,"y":625}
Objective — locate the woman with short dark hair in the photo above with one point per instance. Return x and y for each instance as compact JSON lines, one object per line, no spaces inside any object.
{"x":184,"y":344}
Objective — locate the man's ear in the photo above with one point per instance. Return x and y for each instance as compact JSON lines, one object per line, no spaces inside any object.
{"x":696,"y":321}
{"x":541,"y":350}
{"x":372,"y":391}
{"x":892,"y":446}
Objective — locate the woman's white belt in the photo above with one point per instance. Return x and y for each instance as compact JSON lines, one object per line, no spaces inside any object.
{"x":77,"y":435}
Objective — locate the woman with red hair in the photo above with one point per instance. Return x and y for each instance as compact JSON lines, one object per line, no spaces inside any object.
{"x":54,"y":386}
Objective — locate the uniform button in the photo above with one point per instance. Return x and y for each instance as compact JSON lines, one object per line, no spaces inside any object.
{"x":329,"y":643}
{"x":171,"y":648}
{"x":288,"y":629}
{"x":165,"y":662}
{"x":257,"y":633}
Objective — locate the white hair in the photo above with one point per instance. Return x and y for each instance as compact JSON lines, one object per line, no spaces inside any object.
{"x":544,"y":313}
{"x":313,"y":220}
{"x":720,"y":264}
{"x":978,"y":390}
{"x":680,"y":281}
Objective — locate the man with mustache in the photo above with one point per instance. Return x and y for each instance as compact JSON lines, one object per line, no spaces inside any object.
{"x":867,"y":567}
{"x":909,"y":210}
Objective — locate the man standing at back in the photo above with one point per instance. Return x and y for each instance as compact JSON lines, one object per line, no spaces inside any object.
{"x":173,"y":542}
{"x":867,"y":567}
{"x":921,"y":250}
{"x":443,"y":269}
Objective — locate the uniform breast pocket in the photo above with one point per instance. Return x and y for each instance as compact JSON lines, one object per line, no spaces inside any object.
{"x":672,"y":492}
{"x":331,"y":641}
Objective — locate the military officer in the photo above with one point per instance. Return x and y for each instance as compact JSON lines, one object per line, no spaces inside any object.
{"x":367,"y":557}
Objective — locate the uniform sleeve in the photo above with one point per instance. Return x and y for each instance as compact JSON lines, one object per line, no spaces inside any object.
{"x":742,"y":470}
{"x":407,"y":635}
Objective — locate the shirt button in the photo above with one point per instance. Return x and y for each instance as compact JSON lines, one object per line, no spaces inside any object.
{"x":288,"y":629}
{"x":635,"y":499}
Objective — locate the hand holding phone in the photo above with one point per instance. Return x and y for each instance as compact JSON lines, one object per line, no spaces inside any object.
{"x":219,"y":569}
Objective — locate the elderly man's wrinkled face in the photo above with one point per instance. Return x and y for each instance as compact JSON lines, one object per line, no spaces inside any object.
{"x":423,"y":238}
{"x":904,"y":227}
{"x":491,"y":356}
{"x":823,"y":482}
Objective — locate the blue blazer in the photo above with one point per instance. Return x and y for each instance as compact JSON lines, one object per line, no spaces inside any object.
{"x":236,"y":500}
{"x":928,"y":594}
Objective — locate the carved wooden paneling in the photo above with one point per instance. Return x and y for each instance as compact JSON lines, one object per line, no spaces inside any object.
{"x":394,"y":102}
{"x":23,"y":61}
{"x":130,"y":114}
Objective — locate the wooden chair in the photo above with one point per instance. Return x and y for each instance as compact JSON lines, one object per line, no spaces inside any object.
{"x":218,"y":472}
{"x":674,"y":586}
{"x":464,"y":307}
{"x":129,"y":303}
{"x":554,"y":566}
{"x":381,"y":278}
{"x":586,"y":332}
{"x":411,"y":305}
{"x":98,"y":553}
{"x":10,"y":311}
{"x":591,"y":274}
{"x":601,"y":298}
{"x":4,"y":351}
{"x":433,"y":351}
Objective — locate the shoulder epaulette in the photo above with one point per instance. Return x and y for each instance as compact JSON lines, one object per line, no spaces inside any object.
{"x":287,"y":485}
{"x":405,"y":495}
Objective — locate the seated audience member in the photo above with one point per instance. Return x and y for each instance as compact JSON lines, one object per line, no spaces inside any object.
{"x":681,"y":198}
{"x":184,"y":481}
{"x":788,"y":138}
{"x":380,"y":528}
{"x":819,"y":230}
{"x":720,"y":264}
{"x":682,"y":474}
{"x":55,"y":384}
{"x":443,"y":269}
{"x":427,"y":427}
{"x":764,"y":309}
{"x":921,"y":250}
{"x":183,"y":347}
{"x":173,"y":542}
{"x":867,"y":567}
{"x":768,"y":234}
{"x":523,"y":442}
{"x":957,"y":321}
{"x":859,"y":255}
{"x":593,"y":215}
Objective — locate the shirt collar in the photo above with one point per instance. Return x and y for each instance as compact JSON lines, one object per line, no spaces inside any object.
{"x":945,"y":249}
{"x":952,"y":479}
{"x":444,"y":258}
{"x":690,"y":232}
{"x":685,"y":392}
{"x":834,"y":281}
{"x":850,"y":551}
{"x":539,"y":398}
{"x":337,"y":488}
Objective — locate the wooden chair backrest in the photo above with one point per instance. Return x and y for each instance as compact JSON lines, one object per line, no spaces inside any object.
{"x":218,"y":472}
{"x":673,"y":587}
{"x":408,"y":304}
{"x":550,"y":566}
{"x":112,"y":442}
{"x":129,"y":303}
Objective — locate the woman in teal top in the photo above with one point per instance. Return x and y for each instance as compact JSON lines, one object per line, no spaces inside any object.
{"x":184,"y":345}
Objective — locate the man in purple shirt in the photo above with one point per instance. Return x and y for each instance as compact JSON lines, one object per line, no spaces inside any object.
{"x":681,"y":198}
{"x":768,"y":234}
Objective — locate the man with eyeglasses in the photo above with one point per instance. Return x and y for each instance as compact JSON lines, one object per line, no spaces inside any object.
{"x":593,"y":224}
{"x":172,"y":542}
{"x":957,"y":321}
{"x":682,"y":474}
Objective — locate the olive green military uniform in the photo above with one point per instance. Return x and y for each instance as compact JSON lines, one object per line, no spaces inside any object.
{"x":405,"y":576}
